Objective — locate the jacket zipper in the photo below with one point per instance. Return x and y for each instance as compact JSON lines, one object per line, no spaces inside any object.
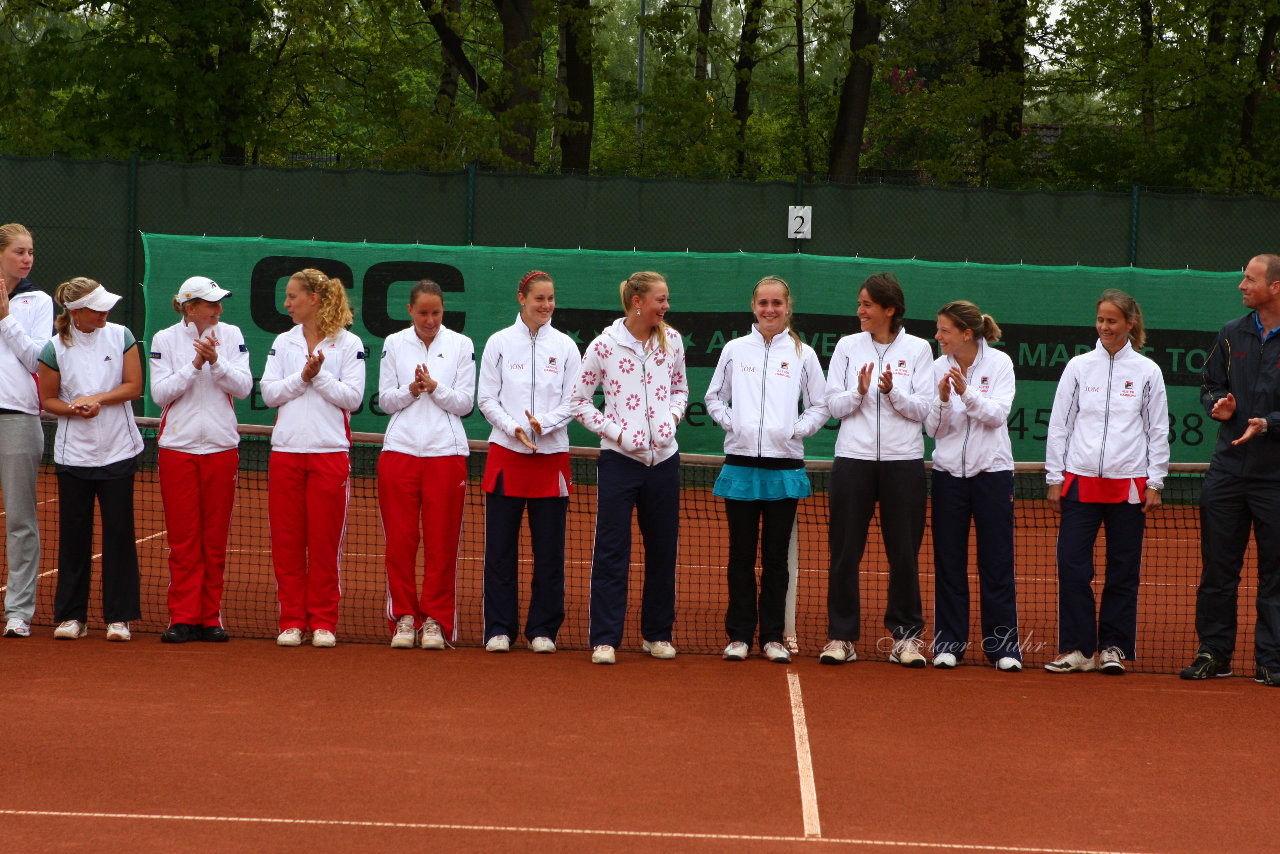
{"x":533,"y":380}
{"x":1106,"y":415}
{"x":763,"y":376}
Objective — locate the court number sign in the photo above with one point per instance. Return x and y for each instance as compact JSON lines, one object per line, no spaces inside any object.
{"x":800,"y":222}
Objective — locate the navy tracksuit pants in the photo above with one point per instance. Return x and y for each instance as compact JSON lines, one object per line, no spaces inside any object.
{"x":502,"y":517}
{"x":1116,"y":623}
{"x":653,"y":493}
{"x":987,"y":499}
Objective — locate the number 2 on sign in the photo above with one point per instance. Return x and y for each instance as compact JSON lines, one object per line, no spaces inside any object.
{"x":800,"y":222}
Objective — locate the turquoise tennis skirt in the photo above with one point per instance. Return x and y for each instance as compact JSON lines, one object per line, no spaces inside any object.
{"x":746,"y":483}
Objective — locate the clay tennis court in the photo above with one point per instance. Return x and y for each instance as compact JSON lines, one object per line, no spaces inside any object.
{"x":249,"y":747}
{"x":246,"y":746}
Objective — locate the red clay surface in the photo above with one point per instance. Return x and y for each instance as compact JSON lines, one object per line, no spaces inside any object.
{"x":249,"y":747}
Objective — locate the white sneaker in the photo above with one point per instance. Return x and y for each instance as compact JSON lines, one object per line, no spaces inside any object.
{"x":1074,"y":661}
{"x":603,"y":654}
{"x":907,"y":653}
{"x":659,"y":649}
{"x":775,"y":651}
{"x":324,"y":639}
{"x":1010,"y":664}
{"x":837,"y":652}
{"x":405,"y":636}
{"x":542,"y":644}
{"x":290,"y":637}
{"x":1111,"y":661}
{"x":17,"y":628}
{"x":792,"y":643}
{"x":498,"y":643}
{"x":736,"y":651}
{"x":431,"y":635}
{"x":70,"y":630}
{"x":944,"y":661}
{"x":119,"y":632}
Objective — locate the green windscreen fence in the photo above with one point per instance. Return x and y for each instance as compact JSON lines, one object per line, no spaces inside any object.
{"x":1046,"y":313}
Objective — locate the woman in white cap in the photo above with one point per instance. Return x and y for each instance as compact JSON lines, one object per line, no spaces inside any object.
{"x":26,"y":320}
{"x":89,"y":373}
{"x":198,"y":366}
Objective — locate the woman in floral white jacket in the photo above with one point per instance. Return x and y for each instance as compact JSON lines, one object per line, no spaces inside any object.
{"x":639,"y":362}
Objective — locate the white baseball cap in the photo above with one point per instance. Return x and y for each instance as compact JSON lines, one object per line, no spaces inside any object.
{"x":201,"y":287}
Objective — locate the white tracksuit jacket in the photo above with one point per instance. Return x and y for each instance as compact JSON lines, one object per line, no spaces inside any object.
{"x":198,"y":416}
{"x":522,"y":371}
{"x":881,"y":426}
{"x":972,"y":430}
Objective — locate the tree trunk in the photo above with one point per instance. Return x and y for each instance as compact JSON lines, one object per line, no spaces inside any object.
{"x":855,"y":94}
{"x":447,"y":91}
{"x":743,"y":69}
{"x":702,"y":54}
{"x":1266,"y":50}
{"x":580,"y":89}
{"x":513,"y":103}
{"x":802,"y":102}
{"x":1002,"y":64}
{"x":1147,"y":100}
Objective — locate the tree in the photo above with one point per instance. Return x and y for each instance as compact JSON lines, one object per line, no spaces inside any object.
{"x":855,"y":92}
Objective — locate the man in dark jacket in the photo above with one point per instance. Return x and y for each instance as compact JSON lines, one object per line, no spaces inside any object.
{"x":1240,"y":389}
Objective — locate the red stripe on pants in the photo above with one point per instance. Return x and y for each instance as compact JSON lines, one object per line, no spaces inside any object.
{"x":199,"y":493}
{"x":307,"y":505}
{"x":415,"y":495}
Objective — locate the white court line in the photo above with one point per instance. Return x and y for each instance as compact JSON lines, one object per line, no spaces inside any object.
{"x":566,"y":831}
{"x":804,"y":761}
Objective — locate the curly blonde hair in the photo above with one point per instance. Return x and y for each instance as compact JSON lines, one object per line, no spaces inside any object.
{"x":334,"y":312}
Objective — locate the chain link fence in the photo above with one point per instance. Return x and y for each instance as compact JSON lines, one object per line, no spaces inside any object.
{"x":86,"y":216}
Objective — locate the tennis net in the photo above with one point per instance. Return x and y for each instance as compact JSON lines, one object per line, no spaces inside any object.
{"x":1171,"y":562}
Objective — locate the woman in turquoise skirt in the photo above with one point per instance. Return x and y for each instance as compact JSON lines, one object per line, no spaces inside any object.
{"x":767,"y":393}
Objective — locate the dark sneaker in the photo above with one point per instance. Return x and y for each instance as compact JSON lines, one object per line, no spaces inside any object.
{"x":1265,"y":676}
{"x":180,"y":633}
{"x":214,"y":634}
{"x":1205,"y":666}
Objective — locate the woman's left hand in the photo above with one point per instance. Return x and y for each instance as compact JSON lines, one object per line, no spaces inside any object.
{"x":86,"y":407}
{"x":957,"y":381}
{"x":533,"y":422}
{"x":886,"y":381}
{"x":1150,"y":500}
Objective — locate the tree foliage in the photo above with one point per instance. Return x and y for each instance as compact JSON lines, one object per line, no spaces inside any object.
{"x":1097,"y":92}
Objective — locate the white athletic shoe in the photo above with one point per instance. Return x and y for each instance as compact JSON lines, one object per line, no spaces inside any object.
{"x":659,"y":649}
{"x":944,"y":661}
{"x":1074,"y":661}
{"x":1111,"y":661}
{"x":290,"y":637}
{"x":498,"y":643}
{"x":736,"y":651}
{"x":837,"y":652}
{"x":603,"y":654}
{"x":118,"y":632}
{"x":543,"y":645}
{"x":70,"y":630}
{"x":324,"y":639}
{"x":776,"y":652}
{"x":431,"y":635}
{"x":405,"y":636}
{"x":1009,"y":664}
{"x":16,"y":628}
{"x":907,"y":653}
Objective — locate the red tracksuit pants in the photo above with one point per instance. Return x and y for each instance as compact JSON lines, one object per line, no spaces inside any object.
{"x":199,"y":493}
{"x":307,"y":506}
{"x":417,"y":495}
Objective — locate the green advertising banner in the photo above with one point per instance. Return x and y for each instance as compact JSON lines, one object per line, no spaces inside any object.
{"x":1046,"y":313}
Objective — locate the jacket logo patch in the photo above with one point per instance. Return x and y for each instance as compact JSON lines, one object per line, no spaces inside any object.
{"x":551,"y":360}
{"x":106,"y":358}
{"x":155,"y":354}
{"x":902,"y":363}
{"x":244,"y":348}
